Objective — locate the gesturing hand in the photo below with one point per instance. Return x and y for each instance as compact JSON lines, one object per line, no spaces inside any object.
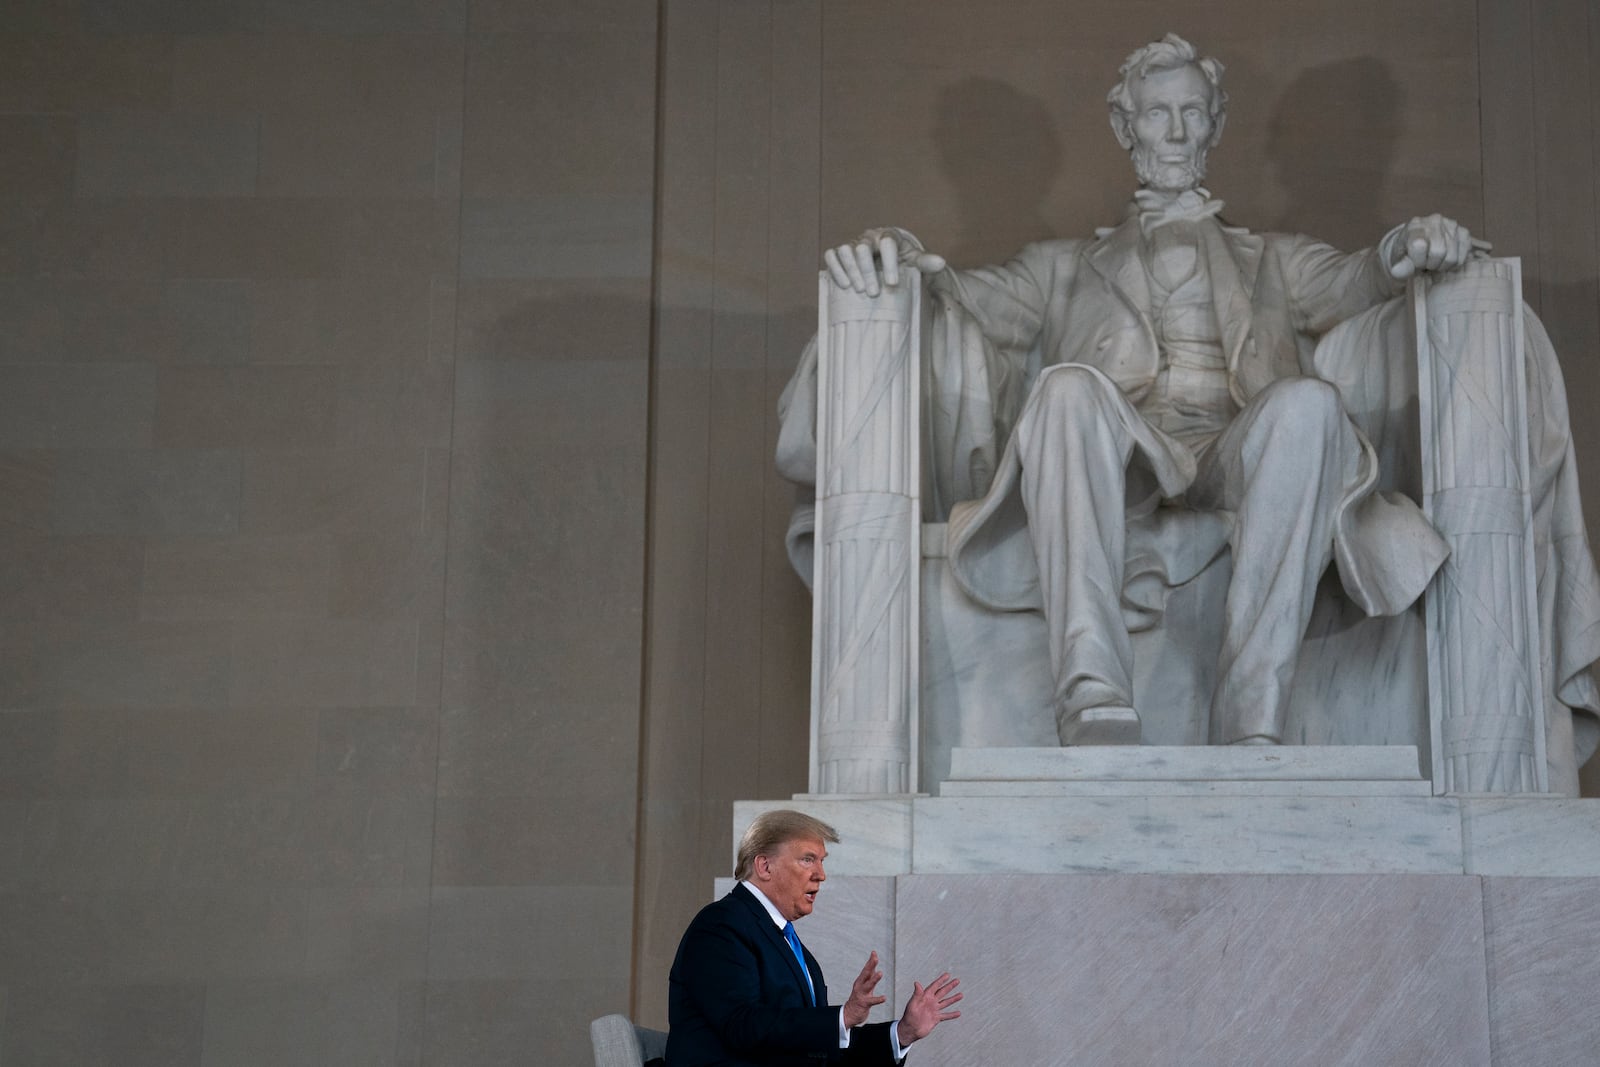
{"x":861,"y":999}
{"x":927,"y":1008}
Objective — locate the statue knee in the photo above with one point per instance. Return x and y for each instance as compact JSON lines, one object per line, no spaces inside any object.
{"x":1309,"y":402}
{"x":1303,"y":434}
{"x":1073,"y":394}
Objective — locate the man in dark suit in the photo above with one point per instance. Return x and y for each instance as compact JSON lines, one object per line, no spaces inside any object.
{"x":745,"y":992}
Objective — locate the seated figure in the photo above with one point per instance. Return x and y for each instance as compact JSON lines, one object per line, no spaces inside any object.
{"x":1159,"y":394}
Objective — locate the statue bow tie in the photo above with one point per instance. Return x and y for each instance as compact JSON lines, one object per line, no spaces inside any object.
{"x":1158,"y":209}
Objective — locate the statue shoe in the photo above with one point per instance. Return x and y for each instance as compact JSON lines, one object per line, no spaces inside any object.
{"x":1108,"y":725}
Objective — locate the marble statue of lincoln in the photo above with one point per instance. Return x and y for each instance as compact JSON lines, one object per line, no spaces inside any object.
{"x":1176,"y":375}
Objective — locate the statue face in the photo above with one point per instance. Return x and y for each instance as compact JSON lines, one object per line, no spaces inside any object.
{"x":1172,"y":128}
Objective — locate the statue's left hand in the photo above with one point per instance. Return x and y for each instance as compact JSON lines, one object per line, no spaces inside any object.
{"x":1429,"y":243}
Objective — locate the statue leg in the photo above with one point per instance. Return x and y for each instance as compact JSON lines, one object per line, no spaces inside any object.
{"x":1282,"y":468}
{"x":1074,"y":444}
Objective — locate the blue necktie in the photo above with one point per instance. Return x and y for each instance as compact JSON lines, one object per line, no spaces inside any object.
{"x":794,"y":945}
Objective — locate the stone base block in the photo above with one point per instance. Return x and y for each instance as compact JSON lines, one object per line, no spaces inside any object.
{"x":1335,"y":923}
{"x":1151,"y":810}
{"x":1221,"y":970}
{"x":1187,"y":834}
{"x":1197,"y":970}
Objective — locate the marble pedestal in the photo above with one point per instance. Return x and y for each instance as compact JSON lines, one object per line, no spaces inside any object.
{"x":1221,"y":906}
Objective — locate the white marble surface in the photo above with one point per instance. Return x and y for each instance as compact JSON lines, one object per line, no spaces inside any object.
{"x":1543,"y":951}
{"x":1187,"y":834}
{"x":1263,"y":825}
{"x":1486,"y":688}
{"x":1189,"y":763}
{"x":874,"y":831}
{"x":1531,"y":836}
{"x":1223,"y":970}
{"x":868,"y":562}
{"x":985,"y":675}
{"x":1230,"y":788}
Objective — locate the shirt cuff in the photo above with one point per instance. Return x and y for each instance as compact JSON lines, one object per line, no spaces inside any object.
{"x":894,"y":1037}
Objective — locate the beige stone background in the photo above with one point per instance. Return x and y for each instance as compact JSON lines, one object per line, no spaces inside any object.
{"x":392,"y":593}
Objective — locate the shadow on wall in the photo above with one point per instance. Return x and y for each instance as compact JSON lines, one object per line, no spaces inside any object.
{"x":1001,"y":152}
{"x":1331,"y":143}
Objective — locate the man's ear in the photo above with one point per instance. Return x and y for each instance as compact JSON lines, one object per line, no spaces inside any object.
{"x":1216,"y":127}
{"x":761,"y":867}
{"x":1120,"y":127}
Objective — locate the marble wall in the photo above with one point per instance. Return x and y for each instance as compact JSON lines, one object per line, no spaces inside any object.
{"x":323,"y":395}
{"x":1110,"y":969}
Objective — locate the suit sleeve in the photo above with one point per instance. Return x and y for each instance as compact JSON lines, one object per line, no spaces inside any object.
{"x":1327,"y":286}
{"x":722,"y":974}
{"x":869,"y":1046}
{"x":1008,"y":301}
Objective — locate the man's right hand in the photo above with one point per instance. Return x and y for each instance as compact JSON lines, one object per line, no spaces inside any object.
{"x":861,"y":1000}
{"x":872,"y":262}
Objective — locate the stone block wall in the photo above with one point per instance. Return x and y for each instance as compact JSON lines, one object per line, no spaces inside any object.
{"x":324,"y":335}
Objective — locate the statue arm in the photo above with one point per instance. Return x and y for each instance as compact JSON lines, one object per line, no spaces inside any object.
{"x":1009,"y":301}
{"x":1328,"y":286}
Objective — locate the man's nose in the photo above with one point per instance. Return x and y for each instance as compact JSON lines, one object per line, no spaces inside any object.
{"x":1176,"y":130}
{"x":822,"y":876}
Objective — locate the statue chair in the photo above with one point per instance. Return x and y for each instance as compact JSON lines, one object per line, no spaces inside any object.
{"x":906,"y":666}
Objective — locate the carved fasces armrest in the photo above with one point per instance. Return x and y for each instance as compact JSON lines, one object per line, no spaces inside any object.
{"x":1486,"y":690}
{"x":865,"y":611}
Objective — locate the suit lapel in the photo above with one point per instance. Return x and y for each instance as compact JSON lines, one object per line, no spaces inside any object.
{"x":778,"y":942}
{"x":1108,"y":317}
{"x":1116,"y":259}
{"x":1233,"y":258}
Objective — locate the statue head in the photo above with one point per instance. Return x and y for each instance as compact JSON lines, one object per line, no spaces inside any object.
{"x":1168,"y":111}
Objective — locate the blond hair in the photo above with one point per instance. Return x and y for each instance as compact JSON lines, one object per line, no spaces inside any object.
{"x":773,"y":829}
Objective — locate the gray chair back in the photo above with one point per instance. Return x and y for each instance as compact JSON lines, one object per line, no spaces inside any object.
{"x":619,"y":1043}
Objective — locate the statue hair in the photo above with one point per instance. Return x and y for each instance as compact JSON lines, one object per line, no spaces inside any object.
{"x":773,"y":829}
{"x":1169,"y":53}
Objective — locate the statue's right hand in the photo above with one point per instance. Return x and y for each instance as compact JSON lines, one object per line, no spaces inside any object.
{"x":873,"y":260}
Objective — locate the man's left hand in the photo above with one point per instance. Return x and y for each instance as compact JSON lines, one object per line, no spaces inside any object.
{"x":1430,"y":243}
{"x":928,"y":1007}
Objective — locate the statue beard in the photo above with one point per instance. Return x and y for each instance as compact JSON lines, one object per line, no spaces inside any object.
{"x":1168,"y":177}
